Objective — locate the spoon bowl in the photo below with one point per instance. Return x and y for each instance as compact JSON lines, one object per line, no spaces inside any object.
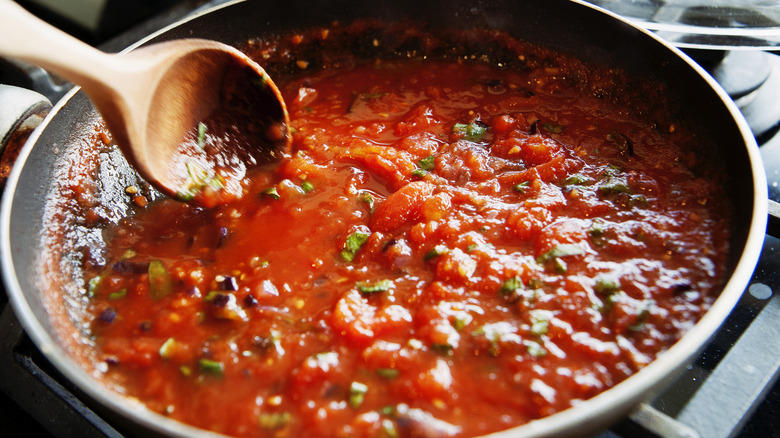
{"x":158,"y":102}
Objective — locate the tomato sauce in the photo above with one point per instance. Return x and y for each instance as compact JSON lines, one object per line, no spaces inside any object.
{"x":452,"y":248}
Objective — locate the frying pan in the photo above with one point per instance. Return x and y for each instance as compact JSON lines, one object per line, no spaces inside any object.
{"x":568,"y":26}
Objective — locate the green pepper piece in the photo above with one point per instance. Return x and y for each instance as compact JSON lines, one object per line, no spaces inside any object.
{"x":378,"y":286}
{"x":160,"y":282}
{"x":357,"y":393}
{"x":212,"y":367}
{"x":201,"y":135}
{"x":352,"y":245}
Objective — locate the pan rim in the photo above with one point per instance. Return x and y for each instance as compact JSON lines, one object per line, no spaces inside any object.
{"x":628,"y":392}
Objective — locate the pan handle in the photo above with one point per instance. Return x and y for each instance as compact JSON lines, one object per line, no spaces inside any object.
{"x":19,"y":105}
{"x":773,"y":224}
{"x":21,"y":112}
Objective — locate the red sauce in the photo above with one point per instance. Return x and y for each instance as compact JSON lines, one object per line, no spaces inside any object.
{"x":452,"y":248}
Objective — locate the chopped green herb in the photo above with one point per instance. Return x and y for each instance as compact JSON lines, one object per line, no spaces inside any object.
{"x":261,"y":82}
{"x":357,"y":393}
{"x":388,"y":410}
{"x":563,"y":250}
{"x":352,"y":245}
{"x":597,"y":228}
{"x":560,"y":266}
{"x":274,"y":420}
{"x":540,"y":322}
{"x":166,"y":349}
{"x":185,"y":370}
{"x":436,"y":251}
{"x":378,"y":286}
{"x":461,"y":320}
{"x":552,"y":127}
{"x":419,"y":172}
{"x":387,"y":373}
{"x":367,"y":198}
{"x":614,"y":185}
{"x":474,"y":131}
{"x":511,"y":285}
{"x":522,"y":187}
{"x":198,"y":179}
{"x":578,"y":180}
{"x":201,"y":135}
{"x":160,"y":282}
{"x":606,"y":284}
{"x":427,"y":163}
{"x":389,"y":429}
{"x":307,"y":186}
{"x":93,"y":285}
{"x":642,"y":314}
{"x":212,"y":367}
{"x":272,"y":193}
{"x":535,"y":283}
{"x":535,"y":349}
{"x":445,"y":349}
{"x":612,"y":170}
{"x":118,"y":295}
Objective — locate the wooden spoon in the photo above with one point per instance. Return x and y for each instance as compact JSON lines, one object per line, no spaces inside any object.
{"x":160,"y":101}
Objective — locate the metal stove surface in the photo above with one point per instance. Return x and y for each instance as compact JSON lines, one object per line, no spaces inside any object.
{"x":731,"y":390}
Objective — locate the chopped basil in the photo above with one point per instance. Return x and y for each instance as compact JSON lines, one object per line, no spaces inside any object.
{"x":274,"y":420}
{"x":118,"y":295}
{"x":474,"y":131}
{"x":261,"y":82}
{"x":93,"y":285}
{"x":597,"y":228}
{"x":445,"y":349}
{"x":606,"y":284}
{"x":427,"y":163}
{"x":511,"y":285}
{"x":212,"y":367}
{"x":352,"y":245}
{"x":357,"y":393}
{"x":613,"y":185}
{"x":160,"y":282}
{"x":378,"y":286}
{"x":419,"y":172}
{"x":307,"y":186}
{"x":387,"y":373}
{"x":198,"y":179}
{"x":272,"y":193}
{"x":563,"y":250}
{"x":540,"y":322}
{"x":185,"y":370}
{"x":389,"y":429}
{"x":521,"y":187}
{"x":388,"y":410}
{"x":424,"y":165}
{"x":641,"y":317}
{"x":535,"y":349}
{"x":436,"y":251}
{"x":560,"y":266}
{"x":461,"y":320}
{"x":578,"y":180}
{"x":201,"y":135}
{"x":367,"y":198}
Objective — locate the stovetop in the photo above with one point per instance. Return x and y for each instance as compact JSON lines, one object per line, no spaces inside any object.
{"x":730,"y":390}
